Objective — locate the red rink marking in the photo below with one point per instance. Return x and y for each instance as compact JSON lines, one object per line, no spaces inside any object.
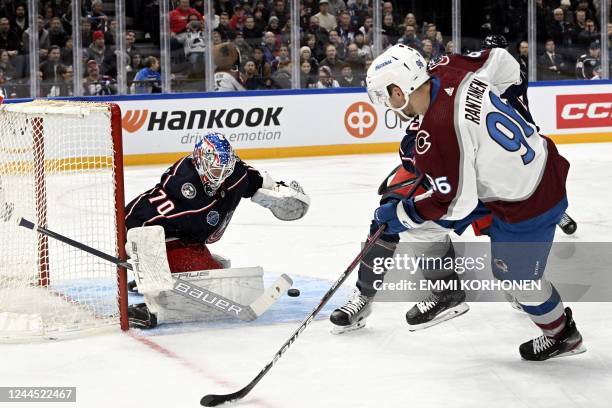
{"x":172,"y":355}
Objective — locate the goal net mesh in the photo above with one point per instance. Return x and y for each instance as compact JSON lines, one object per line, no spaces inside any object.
{"x":57,"y":167}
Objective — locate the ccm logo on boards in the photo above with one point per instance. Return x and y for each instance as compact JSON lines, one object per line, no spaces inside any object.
{"x":584,"y":111}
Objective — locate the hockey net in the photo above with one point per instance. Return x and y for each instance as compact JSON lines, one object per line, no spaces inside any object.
{"x":61,"y":167}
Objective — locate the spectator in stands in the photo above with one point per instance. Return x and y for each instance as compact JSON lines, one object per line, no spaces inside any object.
{"x":86,"y":33}
{"x":358,"y":11}
{"x":336,"y":7}
{"x":331,"y":60}
{"x":559,"y":30}
{"x":274,"y":26}
{"x":246,"y":51}
{"x":269,"y":47}
{"x":238,"y":20}
{"x":263,"y":68}
{"x":387,"y":8}
{"x":227,"y":34}
{"x":97,"y":17}
{"x":586,"y":63}
{"x":50,"y":69}
{"x":226,"y":6}
{"x":410,"y":38}
{"x":134,"y":65}
{"x":57,"y":35}
{"x":43,"y":39}
{"x":550,"y":64}
{"x":580,"y":22}
{"x":588,"y":35}
{"x":345,"y":30}
{"x":9,"y":39}
{"x":67,"y":52}
{"x":285,"y":34}
{"x":433,"y":35}
{"x":326,"y":19}
{"x":261,"y":19}
{"x":97,"y":51}
{"x":306,"y":55}
{"x":568,"y":16}
{"x":336,"y":41}
{"x":410,"y":19}
{"x":281,"y":79}
{"x":95,"y":83}
{"x":179,"y":17}
{"x":280,"y":11}
{"x":354,"y":60}
{"x":194,"y":45}
{"x":326,"y":78}
{"x":148,"y":79}
{"x":216,"y":37}
{"x":19,"y":21}
{"x":251,"y":33}
{"x":449,"y":48}
{"x":10,"y":72}
{"x":321,"y":37}
{"x":64,"y":87}
{"x":347,"y":79}
{"x":427,"y":49}
{"x":110,"y":36}
{"x":363,"y":49}
{"x":130,"y":40}
{"x":523,"y":57}
{"x":307,"y":79}
{"x":251,"y":78}
{"x":389,"y":29}
{"x":6,"y":89}
{"x":367,"y":31}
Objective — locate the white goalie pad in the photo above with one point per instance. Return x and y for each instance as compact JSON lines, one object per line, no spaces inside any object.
{"x":287,"y":203}
{"x":146,"y":247}
{"x":241,"y":285}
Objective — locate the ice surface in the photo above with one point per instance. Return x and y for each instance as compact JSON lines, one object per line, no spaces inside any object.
{"x":471,"y":361}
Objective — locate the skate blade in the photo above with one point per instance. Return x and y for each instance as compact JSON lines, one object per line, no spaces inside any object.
{"x":347,"y":329}
{"x":444,"y":316}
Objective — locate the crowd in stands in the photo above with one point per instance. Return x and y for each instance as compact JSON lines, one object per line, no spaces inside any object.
{"x":335,"y":48}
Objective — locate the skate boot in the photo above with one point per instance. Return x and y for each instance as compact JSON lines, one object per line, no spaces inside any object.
{"x":438,"y":307}
{"x":566,"y":343}
{"x":140,"y":317}
{"x":352,"y":316}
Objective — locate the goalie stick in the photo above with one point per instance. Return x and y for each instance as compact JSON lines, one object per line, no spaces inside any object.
{"x":212,"y":400}
{"x":245,"y":313}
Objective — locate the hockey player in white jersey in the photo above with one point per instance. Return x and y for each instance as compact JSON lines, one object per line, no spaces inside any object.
{"x":475,"y":147}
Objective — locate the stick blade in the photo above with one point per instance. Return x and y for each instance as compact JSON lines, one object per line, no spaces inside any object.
{"x":212,"y":400}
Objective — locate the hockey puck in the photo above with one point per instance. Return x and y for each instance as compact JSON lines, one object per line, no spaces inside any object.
{"x":293,"y":292}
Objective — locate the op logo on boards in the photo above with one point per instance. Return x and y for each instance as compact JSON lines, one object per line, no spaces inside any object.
{"x":360,"y":120}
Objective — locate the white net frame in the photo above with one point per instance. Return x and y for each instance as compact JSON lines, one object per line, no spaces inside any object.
{"x":61,"y":168}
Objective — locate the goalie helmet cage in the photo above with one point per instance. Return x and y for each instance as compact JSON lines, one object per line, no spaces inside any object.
{"x":61,"y":165}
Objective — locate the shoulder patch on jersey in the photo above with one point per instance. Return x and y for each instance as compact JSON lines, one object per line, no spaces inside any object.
{"x":189,"y":191}
{"x":212,"y":218}
{"x":422,"y":143}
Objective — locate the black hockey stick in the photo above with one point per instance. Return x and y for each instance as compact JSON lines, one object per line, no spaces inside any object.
{"x":212,"y":400}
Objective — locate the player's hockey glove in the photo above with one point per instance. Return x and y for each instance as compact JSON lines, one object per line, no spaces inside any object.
{"x":399,"y":216}
{"x":287,"y":202}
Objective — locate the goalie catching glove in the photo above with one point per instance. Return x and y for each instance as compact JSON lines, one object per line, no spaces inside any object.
{"x":287,"y":202}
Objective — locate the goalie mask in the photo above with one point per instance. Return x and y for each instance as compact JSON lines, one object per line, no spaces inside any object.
{"x":214,"y":160}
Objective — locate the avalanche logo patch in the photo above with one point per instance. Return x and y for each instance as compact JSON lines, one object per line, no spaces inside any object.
{"x":212,"y":218}
{"x":189,"y":191}
{"x":422,"y":143}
